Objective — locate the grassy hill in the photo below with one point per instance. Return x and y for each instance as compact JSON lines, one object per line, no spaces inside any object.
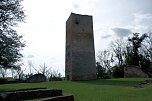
{"x":97,"y":90}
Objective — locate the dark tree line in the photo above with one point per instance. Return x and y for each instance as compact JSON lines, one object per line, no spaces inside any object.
{"x":11,"y":13}
{"x":136,"y":42}
{"x":136,"y":51}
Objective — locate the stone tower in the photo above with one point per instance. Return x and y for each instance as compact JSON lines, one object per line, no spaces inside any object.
{"x":80,"y":52}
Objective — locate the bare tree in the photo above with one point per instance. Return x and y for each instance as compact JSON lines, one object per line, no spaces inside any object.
{"x":119,"y":47}
{"x":105,"y":58}
{"x":45,"y":70}
{"x":55,"y":73}
{"x":59,"y":75}
{"x":12,"y":72}
{"x":30,"y":65}
{"x":3,"y":72}
{"x":146,"y":47}
{"x":20,"y":72}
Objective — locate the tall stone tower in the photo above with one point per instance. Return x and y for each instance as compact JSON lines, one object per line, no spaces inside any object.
{"x":80,"y":52}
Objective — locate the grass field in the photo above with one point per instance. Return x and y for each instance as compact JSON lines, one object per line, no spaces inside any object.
{"x":98,"y":90}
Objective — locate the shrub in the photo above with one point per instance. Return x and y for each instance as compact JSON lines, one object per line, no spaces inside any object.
{"x":55,"y":79}
{"x":3,"y":81}
{"x":118,"y":71}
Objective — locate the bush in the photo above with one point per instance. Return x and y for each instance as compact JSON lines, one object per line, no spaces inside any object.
{"x":107,"y":77}
{"x":101,"y":71}
{"x":118,"y":71}
{"x":3,"y":81}
{"x":55,"y":79}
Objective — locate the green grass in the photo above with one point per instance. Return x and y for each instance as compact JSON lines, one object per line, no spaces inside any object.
{"x":98,"y":90}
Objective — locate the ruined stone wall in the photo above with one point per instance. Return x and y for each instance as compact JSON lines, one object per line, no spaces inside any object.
{"x":134,"y":72}
{"x":80,"y":53}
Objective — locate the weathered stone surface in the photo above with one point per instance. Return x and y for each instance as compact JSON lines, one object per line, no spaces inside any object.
{"x":29,"y":94}
{"x":134,"y":71}
{"x":61,"y":98}
{"x":37,"y":78}
{"x":80,"y":52}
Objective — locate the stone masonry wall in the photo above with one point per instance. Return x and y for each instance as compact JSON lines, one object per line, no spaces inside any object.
{"x":80,"y":52}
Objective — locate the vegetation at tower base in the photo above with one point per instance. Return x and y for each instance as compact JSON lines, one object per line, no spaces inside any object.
{"x":118,"y":71}
{"x":101,"y":72}
{"x":11,"y":13}
{"x":133,"y":52}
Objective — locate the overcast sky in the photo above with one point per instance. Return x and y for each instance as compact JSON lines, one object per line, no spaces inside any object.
{"x":44,"y":30}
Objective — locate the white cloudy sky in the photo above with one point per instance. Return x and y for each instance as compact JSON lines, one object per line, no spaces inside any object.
{"x":44,"y":30}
